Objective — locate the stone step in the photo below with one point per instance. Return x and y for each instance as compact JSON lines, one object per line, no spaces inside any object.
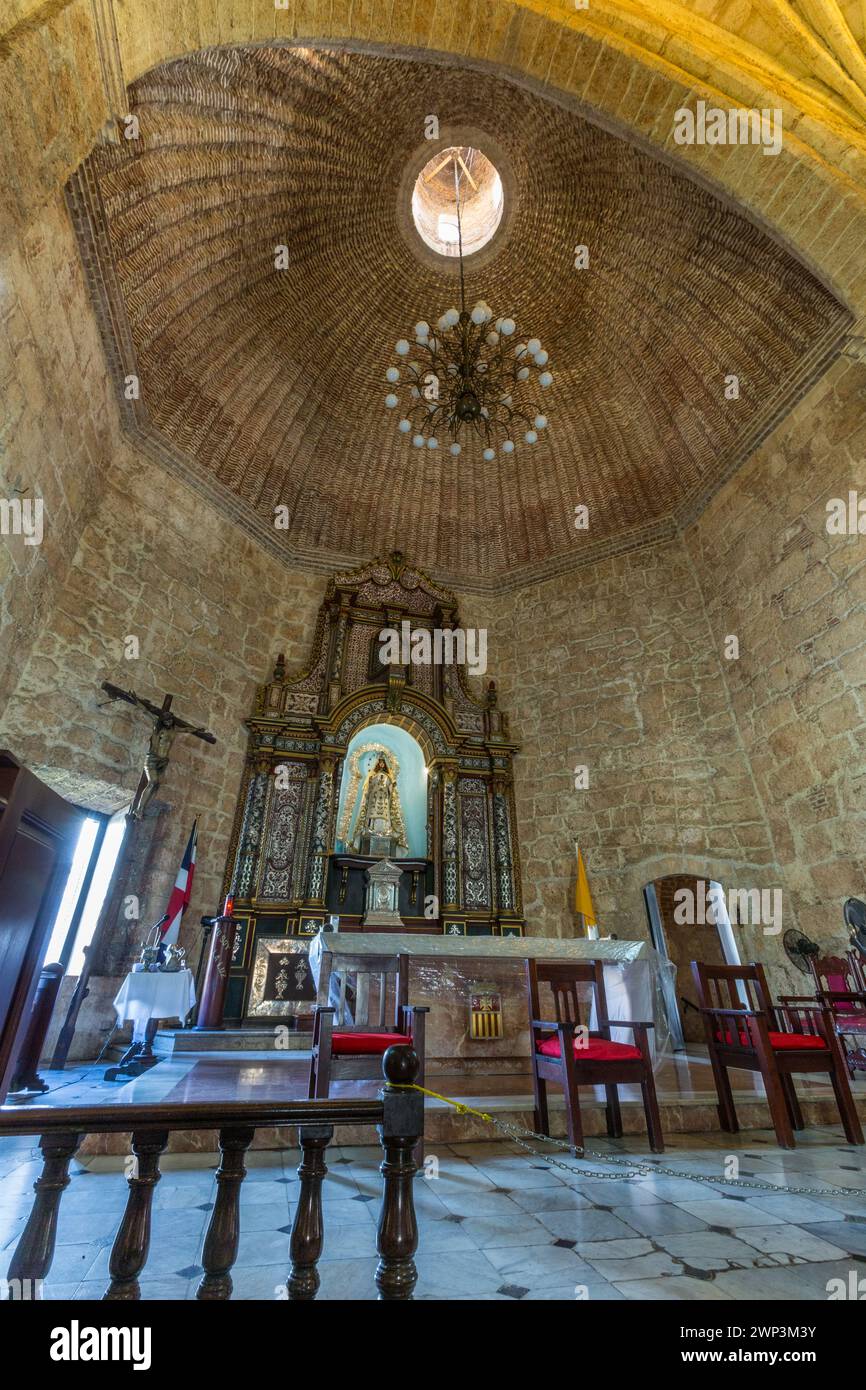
{"x":174,"y":1042}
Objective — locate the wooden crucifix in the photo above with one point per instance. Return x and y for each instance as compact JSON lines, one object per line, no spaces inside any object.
{"x":166,"y":727}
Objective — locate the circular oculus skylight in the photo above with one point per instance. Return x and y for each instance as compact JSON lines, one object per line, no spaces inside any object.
{"x":464,"y":170}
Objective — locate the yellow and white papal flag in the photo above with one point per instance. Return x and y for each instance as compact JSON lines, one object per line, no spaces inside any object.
{"x":582,"y":895}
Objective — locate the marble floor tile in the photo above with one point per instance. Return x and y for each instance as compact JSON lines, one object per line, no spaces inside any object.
{"x":627,"y":1249}
{"x":451,"y":1273}
{"x":539,"y":1267}
{"x":682,"y":1288}
{"x":442,"y":1234}
{"x":588,"y":1291}
{"x":350,"y":1213}
{"x":485,"y":1203}
{"x":516,"y":1229}
{"x":849,"y":1235}
{"x":789,"y":1282}
{"x":661,"y":1218}
{"x":791,"y":1240}
{"x":539,"y":1199}
{"x":652,"y":1266}
{"x":709,"y":1250}
{"x":585,"y":1225}
{"x":722,"y":1212}
{"x":792,"y":1208}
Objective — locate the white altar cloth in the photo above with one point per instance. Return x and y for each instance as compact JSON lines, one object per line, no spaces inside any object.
{"x":146,"y":994}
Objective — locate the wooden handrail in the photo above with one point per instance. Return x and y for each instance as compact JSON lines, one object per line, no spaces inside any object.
{"x":398,"y":1114}
{"x":119,"y":1118}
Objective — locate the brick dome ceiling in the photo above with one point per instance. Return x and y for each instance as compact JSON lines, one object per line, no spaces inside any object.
{"x":267,"y":385}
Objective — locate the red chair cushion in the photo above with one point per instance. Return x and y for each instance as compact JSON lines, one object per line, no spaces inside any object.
{"x":365,"y":1044}
{"x":801,"y":1042}
{"x":595,"y":1050}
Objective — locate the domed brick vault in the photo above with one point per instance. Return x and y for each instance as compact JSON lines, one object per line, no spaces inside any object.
{"x":265,"y":387}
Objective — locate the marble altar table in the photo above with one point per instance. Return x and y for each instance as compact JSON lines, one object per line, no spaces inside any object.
{"x":445,"y":971}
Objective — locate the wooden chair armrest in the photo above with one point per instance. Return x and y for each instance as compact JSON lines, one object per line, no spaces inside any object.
{"x":733,"y":1013}
{"x":797,"y":999}
{"x":324,"y":1009}
{"x":551,"y":1023}
{"x":626,"y":1023}
{"x":415,"y":1008}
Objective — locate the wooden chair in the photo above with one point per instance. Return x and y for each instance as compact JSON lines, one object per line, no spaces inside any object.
{"x":569,"y":1055}
{"x":839,"y":984}
{"x":745,"y":1029}
{"x":350,"y":1051}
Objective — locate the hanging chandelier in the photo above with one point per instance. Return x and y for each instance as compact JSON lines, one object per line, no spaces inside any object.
{"x":467,"y":381}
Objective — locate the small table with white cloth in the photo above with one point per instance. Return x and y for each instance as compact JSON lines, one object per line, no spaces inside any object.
{"x":145,"y":997}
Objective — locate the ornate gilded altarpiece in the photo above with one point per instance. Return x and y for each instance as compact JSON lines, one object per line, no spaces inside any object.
{"x":283,"y":871}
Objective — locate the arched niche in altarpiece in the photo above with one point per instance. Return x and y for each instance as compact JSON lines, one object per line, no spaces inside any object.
{"x":288,"y":871}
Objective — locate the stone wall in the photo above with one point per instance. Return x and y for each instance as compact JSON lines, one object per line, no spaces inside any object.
{"x":209,"y":610}
{"x":795,"y":596}
{"x":615,"y":667}
{"x":57,"y":424}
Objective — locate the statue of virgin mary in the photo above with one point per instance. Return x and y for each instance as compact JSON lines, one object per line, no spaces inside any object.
{"x":380,"y":813}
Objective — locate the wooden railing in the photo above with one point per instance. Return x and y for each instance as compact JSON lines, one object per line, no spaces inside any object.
{"x":398,"y":1114}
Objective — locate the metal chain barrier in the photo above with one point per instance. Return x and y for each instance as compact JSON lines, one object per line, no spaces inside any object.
{"x":517,"y":1135}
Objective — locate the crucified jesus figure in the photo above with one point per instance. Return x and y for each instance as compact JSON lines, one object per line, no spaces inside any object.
{"x":166,"y":727}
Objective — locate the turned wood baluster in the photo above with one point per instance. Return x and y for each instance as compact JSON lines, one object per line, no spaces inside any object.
{"x":132,"y":1242}
{"x":307,"y":1239}
{"x":397,"y":1238}
{"x":224,"y":1229}
{"x":35,"y":1249}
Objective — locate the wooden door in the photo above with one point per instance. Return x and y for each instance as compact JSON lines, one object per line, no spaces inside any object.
{"x":38,"y":833}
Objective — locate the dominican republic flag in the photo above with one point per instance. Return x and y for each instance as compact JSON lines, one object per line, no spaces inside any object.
{"x":181,"y":892}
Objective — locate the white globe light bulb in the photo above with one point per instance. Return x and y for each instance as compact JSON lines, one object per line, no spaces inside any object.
{"x":392,"y":374}
{"x":402,"y":348}
{"x":405,"y":426}
{"x":508,"y":446}
{"x":432,"y":442}
{"x":489,"y":454}
{"x":422,"y":329}
{"x":523,"y":374}
{"x":534,"y":346}
{"x":492,"y":339}
{"x":541,"y":357}
{"x":418,"y":441}
{"x":390,"y":400}
{"x":520,"y":350}
{"x":540,"y":422}
{"x":530,"y":436}
{"x":545,"y":379}
{"x":455,"y":449}
{"x":479,"y":314}
{"x":507,"y":327}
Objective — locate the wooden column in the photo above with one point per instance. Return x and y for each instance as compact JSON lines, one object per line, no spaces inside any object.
{"x":132,"y":1242}
{"x":35,"y":1250}
{"x":25,"y":1076}
{"x":397,"y":1239}
{"x":216,"y":976}
{"x":223,"y":1232}
{"x":307,"y":1229}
